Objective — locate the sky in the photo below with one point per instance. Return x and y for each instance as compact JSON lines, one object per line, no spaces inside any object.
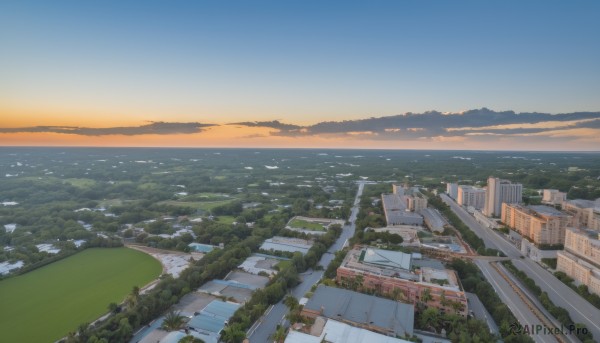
{"x":222,"y":73}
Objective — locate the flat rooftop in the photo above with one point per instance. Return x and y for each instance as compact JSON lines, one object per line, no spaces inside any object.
{"x":395,"y":317}
{"x":547,"y":210}
{"x":287,"y":244}
{"x":386,"y":258}
{"x":393,"y":264}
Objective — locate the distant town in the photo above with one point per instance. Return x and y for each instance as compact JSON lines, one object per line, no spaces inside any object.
{"x":237,"y":246}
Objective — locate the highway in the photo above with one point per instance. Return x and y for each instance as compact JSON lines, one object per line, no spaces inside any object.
{"x":581,"y":310}
{"x":268,"y":323}
{"x":521,"y":311}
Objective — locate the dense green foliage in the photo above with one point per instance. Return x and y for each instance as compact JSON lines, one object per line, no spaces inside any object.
{"x":58,"y":297}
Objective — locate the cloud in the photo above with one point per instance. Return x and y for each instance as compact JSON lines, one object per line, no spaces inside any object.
{"x":154,"y":128}
{"x":274,"y":124}
{"x":472,"y":123}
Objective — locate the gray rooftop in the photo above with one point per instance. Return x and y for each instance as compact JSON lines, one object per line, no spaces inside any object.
{"x":396,"y":211}
{"x":435,"y":264}
{"x":393,"y":202}
{"x":547,"y":210}
{"x":345,"y":305}
{"x":582,"y":203}
{"x":386,"y":258}
{"x":434,"y":218}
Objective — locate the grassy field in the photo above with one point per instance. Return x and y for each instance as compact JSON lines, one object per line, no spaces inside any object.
{"x":47,"y":303}
{"x":198,"y":205}
{"x":81,"y":183}
{"x":303,"y":224}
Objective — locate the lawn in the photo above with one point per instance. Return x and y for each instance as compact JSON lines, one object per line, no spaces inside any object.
{"x":226,"y":219}
{"x":303,"y":224}
{"x":47,"y":303}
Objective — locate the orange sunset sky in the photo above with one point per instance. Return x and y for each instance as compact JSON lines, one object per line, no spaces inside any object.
{"x":301,"y":75}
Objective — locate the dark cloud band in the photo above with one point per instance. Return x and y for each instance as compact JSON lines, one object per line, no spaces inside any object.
{"x":155,"y":128}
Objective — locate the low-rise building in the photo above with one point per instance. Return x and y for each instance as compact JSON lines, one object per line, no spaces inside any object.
{"x":397,"y":212}
{"x":337,"y":332}
{"x":553,"y":197}
{"x":543,"y":225}
{"x":393,"y":274}
{"x":581,"y":258}
{"x":287,"y":244}
{"x":369,"y":312}
{"x":209,"y":323}
{"x":433,"y":219}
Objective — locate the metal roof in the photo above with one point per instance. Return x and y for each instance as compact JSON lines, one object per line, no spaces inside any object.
{"x":386,"y":258}
{"x":213,"y":317}
{"x":342,"y":304}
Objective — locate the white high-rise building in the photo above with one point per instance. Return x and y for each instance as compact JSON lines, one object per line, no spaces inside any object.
{"x":452,"y":190}
{"x":498,"y":192}
{"x":471,"y":196}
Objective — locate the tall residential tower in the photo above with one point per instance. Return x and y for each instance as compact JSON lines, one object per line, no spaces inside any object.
{"x":498,"y":192}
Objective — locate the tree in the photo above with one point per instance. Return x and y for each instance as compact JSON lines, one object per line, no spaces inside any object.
{"x":133,"y":297}
{"x":430,"y":319}
{"x":291,"y":302}
{"x":190,"y":339}
{"x":426,"y":295}
{"x":83,"y":332}
{"x":279,"y":335}
{"x":173,"y":321}
{"x":233,"y":333}
{"x":114,"y":308}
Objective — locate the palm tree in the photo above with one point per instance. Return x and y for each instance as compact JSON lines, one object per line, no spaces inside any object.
{"x":133,"y":297}
{"x":426,"y":295}
{"x":279,"y":335}
{"x":233,"y":334}
{"x":173,"y":321}
{"x":291,"y":302}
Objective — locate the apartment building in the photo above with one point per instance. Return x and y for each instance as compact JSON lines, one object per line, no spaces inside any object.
{"x":581,"y":258}
{"x":498,"y":192}
{"x":543,"y":225}
{"x":553,"y":197}
{"x":471,"y":196}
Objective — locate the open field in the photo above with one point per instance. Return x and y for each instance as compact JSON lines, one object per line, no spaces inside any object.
{"x":207,"y":197}
{"x":81,"y":182}
{"x":47,"y":303}
{"x":198,"y":205}
{"x":303,"y":224}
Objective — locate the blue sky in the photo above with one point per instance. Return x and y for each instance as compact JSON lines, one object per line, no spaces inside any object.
{"x":296,"y":61}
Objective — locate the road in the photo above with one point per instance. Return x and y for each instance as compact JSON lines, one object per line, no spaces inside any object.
{"x":268,"y":323}
{"x":521,"y":311}
{"x":480,"y":312}
{"x":581,"y":310}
